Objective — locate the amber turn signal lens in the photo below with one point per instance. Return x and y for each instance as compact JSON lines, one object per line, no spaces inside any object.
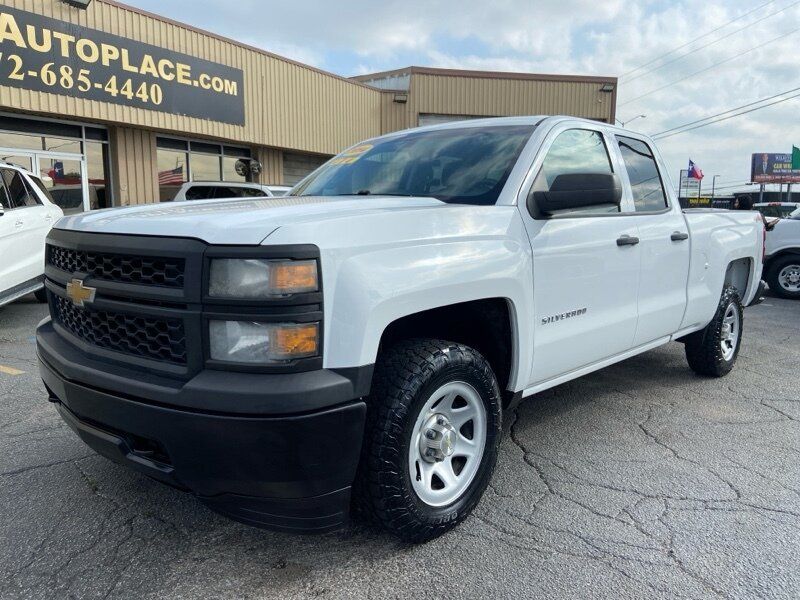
{"x":295,"y":341}
{"x":294,"y":277}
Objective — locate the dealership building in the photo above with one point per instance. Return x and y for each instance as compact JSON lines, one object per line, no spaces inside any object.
{"x":115,"y":106}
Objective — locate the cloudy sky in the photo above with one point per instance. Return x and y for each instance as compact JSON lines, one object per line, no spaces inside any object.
{"x":731,"y":64}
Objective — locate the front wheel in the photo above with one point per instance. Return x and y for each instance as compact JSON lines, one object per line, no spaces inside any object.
{"x":783,"y":277}
{"x":712,"y":351}
{"x":433,"y":430}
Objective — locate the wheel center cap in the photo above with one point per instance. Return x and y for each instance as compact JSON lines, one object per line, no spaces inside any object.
{"x":438,"y":439}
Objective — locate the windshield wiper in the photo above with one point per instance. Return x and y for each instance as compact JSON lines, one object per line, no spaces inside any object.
{"x":369,"y":193}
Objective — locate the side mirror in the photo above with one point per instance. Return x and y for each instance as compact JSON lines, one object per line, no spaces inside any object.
{"x":578,"y":190}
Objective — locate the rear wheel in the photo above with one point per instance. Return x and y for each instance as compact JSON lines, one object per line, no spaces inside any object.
{"x":783,"y":277}
{"x":712,"y":351}
{"x":433,"y":429}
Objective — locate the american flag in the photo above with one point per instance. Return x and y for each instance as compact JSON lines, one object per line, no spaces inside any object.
{"x":173,"y":177}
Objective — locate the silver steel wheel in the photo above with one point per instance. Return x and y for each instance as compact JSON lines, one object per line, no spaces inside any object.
{"x":447,"y":444}
{"x":731,"y":328}
{"x":789,"y":278}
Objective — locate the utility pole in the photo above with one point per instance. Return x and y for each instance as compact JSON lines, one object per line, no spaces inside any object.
{"x":761,"y":193}
{"x":713,"y":187}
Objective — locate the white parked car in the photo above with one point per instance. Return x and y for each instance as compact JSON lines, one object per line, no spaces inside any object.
{"x":782,"y":266}
{"x":361,"y":342}
{"x":208,"y":190}
{"x":279,"y":190}
{"x":27,"y":213}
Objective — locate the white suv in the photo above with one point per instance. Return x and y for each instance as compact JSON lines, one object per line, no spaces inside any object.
{"x":27,"y":213}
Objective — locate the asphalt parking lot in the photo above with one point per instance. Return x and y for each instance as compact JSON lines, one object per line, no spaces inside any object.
{"x":641,"y":480}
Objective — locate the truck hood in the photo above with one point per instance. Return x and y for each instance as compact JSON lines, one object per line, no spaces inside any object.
{"x":245,"y":222}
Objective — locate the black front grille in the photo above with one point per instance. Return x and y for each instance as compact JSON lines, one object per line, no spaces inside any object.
{"x":146,"y":337}
{"x":143,"y":270}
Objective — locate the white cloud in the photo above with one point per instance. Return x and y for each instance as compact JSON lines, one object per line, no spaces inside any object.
{"x":607,"y":37}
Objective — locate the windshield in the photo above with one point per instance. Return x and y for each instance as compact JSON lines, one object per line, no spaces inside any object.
{"x":466,"y":166}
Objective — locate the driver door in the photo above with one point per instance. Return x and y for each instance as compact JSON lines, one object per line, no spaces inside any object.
{"x":586,"y":273}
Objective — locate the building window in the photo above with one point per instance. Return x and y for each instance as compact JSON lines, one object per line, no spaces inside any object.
{"x":180,"y":161}
{"x":72,"y":160}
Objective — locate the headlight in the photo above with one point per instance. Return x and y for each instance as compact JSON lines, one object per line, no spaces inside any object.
{"x":262,"y":343}
{"x":261,"y":278}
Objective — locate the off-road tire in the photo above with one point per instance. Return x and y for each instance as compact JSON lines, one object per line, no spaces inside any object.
{"x":41,"y":295}
{"x":772,"y":276}
{"x":703,"y":348}
{"x":405,"y":377}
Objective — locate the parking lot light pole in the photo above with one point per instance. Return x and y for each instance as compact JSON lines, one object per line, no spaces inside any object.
{"x":713,"y":186}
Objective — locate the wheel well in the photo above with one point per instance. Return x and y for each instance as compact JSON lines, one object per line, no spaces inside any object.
{"x":785,"y":252}
{"x":738,"y":275}
{"x":484,"y":325}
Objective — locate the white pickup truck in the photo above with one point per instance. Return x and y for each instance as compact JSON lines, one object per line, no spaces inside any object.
{"x":358,"y":341}
{"x":782,"y":262}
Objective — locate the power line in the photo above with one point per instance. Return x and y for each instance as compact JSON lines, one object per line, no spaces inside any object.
{"x":682,"y":56}
{"x":728,"y":117}
{"x":689,"y":43}
{"x":716,"y":64}
{"x":661,"y":133}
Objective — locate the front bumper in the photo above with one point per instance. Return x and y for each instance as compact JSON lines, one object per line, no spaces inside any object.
{"x":264,"y":467}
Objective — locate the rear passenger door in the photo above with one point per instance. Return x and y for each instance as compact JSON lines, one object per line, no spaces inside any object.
{"x":585,"y":281}
{"x":23,"y":255}
{"x":663,"y":243}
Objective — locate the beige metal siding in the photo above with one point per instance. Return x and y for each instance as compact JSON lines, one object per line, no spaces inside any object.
{"x":134,"y":166}
{"x":271,"y":160}
{"x":286,"y":104}
{"x":472,"y":96}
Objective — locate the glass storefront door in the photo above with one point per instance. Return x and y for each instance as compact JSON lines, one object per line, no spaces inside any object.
{"x":64,"y":175}
{"x":73,"y":160}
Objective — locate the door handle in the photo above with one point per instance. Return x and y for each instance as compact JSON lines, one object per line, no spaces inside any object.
{"x":679,"y":236}
{"x":19,"y":224}
{"x":627,"y":240}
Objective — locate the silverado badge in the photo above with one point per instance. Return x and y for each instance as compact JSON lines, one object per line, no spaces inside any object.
{"x":79,"y":293}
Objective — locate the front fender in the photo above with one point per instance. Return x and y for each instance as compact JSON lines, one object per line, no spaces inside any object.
{"x":377,"y":288}
{"x":382,"y":266}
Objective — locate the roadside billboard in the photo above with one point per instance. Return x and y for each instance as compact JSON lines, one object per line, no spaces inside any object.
{"x":690,"y":187}
{"x":773,"y":168}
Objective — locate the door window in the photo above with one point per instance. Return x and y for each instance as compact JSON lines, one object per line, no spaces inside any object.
{"x":20,"y":195}
{"x":199,"y":192}
{"x":5,"y":200}
{"x":576,"y":151}
{"x":239,"y":192}
{"x":646,"y":185}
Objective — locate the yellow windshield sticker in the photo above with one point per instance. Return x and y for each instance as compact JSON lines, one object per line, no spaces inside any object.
{"x":350,"y":156}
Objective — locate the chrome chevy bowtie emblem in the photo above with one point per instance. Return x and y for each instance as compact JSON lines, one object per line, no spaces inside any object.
{"x":79,"y":293}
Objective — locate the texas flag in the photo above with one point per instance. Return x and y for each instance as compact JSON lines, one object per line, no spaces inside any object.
{"x":694,"y":171}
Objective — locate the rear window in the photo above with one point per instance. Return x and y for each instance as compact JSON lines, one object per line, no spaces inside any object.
{"x":42,"y":188}
{"x":646,"y":186}
{"x":467,"y":165}
{"x":20,"y":195}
